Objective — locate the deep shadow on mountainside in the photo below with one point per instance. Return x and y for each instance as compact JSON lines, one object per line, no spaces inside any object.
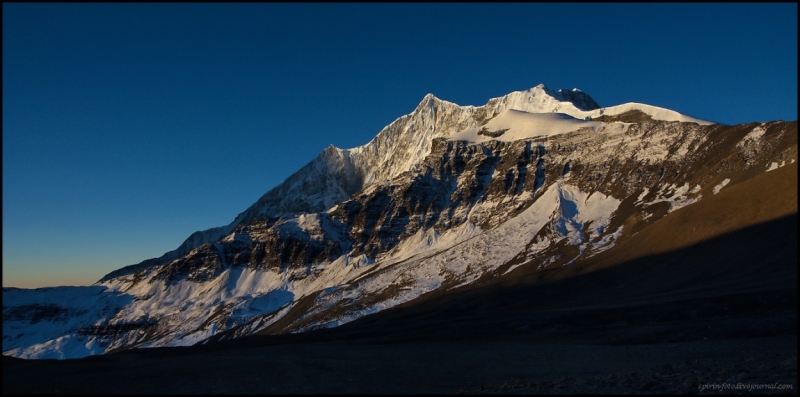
{"x":705,"y":296}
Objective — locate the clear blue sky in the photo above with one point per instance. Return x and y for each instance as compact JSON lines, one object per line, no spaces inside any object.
{"x":126,"y":127}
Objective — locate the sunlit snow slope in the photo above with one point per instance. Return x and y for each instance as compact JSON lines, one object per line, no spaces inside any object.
{"x":443,"y":197}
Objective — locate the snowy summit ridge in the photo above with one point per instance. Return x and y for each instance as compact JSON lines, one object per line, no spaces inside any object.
{"x":337,"y":173}
{"x":442,"y":197}
{"x":407,"y":140}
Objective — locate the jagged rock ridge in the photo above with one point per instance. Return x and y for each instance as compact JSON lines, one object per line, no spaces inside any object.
{"x":440,"y":198}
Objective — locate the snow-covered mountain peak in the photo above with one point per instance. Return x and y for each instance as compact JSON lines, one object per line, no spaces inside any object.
{"x":440,"y":198}
{"x":427,"y":99}
{"x":332,"y":150}
{"x":338,"y":173}
{"x":407,"y":141}
{"x":541,"y":99}
{"x":538,"y":99}
{"x":431,"y":102}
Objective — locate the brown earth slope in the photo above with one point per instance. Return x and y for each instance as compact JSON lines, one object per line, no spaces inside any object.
{"x":704,"y":296}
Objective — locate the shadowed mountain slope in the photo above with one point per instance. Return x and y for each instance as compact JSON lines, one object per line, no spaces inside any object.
{"x":743,"y":246}
{"x":665,"y":311}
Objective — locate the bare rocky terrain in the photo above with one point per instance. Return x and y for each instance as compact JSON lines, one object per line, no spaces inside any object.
{"x":704,"y":297}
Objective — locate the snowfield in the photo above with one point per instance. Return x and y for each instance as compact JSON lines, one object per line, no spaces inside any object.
{"x":515,"y":125}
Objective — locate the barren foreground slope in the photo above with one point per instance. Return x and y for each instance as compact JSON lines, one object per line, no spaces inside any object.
{"x":706,"y":295}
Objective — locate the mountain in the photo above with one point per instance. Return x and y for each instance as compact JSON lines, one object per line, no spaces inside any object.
{"x":444,"y":199}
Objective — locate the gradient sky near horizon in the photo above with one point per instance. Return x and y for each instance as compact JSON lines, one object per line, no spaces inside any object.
{"x":126,"y":127}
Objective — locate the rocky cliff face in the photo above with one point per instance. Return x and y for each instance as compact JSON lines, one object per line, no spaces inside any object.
{"x":337,"y":173}
{"x":428,"y":206}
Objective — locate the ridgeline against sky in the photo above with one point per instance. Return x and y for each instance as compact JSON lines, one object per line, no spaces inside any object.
{"x":126,"y":127}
